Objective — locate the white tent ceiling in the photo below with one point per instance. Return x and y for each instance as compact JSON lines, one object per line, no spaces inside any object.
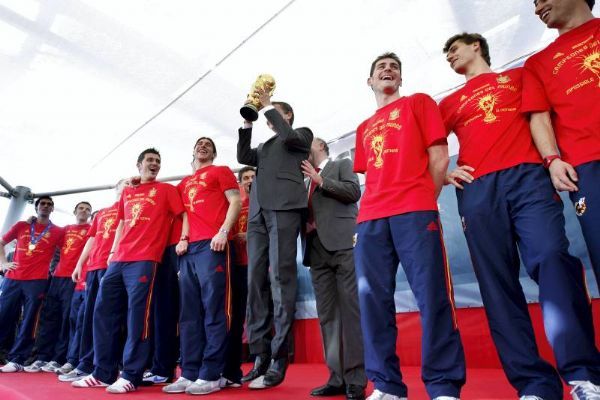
{"x":78,"y":77}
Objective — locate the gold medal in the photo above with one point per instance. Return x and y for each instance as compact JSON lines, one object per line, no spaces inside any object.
{"x":31,"y":247}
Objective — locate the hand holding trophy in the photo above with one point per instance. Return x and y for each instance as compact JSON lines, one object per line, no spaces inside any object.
{"x":265,"y":83}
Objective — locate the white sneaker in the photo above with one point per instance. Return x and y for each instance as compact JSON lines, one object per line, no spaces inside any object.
{"x":65,"y":369}
{"x":52,"y":366}
{"x":88,"y":382}
{"x":11,"y":367}
{"x":35,"y":366}
{"x":178,"y":386}
{"x":152,"y":379}
{"x":528,"y":397}
{"x":257,"y":383}
{"x":200,"y":386}
{"x":379,"y":395}
{"x":73,"y":375}
{"x":228,"y":383}
{"x":122,"y":385}
{"x":584,"y":390}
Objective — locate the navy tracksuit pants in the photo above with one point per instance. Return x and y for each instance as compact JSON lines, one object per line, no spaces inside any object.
{"x":239,"y":296}
{"x":516,"y":211}
{"x":587,"y":207}
{"x":125,"y":291}
{"x":53,"y":339}
{"x":205,"y":311}
{"x":415,"y":240}
{"x":165,"y":308}
{"x":86,"y":346}
{"x":15,"y":294}
{"x":75,"y":326}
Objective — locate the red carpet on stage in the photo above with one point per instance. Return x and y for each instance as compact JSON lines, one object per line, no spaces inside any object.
{"x":481,"y":384}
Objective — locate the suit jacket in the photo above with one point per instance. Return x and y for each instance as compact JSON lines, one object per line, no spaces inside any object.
{"x":279,"y":183}
{"x":334,"y":207}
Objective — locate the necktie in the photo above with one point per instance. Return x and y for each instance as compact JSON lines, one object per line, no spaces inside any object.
{"x":310,"y":223}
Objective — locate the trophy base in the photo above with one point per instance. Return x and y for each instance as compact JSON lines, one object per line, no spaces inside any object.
{"x":249,"y":113}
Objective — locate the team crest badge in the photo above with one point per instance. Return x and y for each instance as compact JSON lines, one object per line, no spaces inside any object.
{"x":580,"y":207}
{"x":394,"y":114}
{"x":503,"y":79}
{"x":203,"y":175}
{"x":152,"y":192}
{"x":83,"y":232}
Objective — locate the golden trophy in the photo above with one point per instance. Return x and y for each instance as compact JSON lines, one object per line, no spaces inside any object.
{"x":252,"y":105}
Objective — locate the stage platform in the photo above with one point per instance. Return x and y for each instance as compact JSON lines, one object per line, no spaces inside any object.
{"x":482,"y":384}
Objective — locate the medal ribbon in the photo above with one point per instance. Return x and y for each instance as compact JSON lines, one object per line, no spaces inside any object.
{"x":35,"y":239}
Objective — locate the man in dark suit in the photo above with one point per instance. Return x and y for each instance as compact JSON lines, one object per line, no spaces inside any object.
{"x":277,"y":203}
{"x":333,"y":192}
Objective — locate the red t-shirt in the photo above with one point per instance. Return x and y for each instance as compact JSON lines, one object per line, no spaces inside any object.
{"x":486,"y":116}
{"x":103,"y":231}
{"x":33,"y":264}
{"x":74,"y":239}
{"x":564,"y":79}
{"x":241,"y":227}
{"x":391,"y":149}
{"x":147,"y":211}
{"x":175,"y":232}
{"x":204,"y":199}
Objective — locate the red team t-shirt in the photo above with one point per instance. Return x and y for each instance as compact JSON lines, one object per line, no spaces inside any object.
{"x":241,"y":227}
{"x":147,"y":211}
{"x":33,"y":264}
{"x":486,"y":116}
{"x":175,"y":232}
{"x":104,"y":226}
{"x":204,"y":201}
{"x":564,"y":79}
{"x":75,"y":237}
{"x":391,"y":149}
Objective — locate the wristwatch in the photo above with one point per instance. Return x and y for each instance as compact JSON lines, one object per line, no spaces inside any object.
{"x":548,"y":160}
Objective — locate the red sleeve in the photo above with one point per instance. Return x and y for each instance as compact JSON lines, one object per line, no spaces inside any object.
{"x":94,"y":228}
{"x":448,"y":115}
{"x":13,"y":232}
{"x":429,"y":119}
{"x":61,"y":236}
{"x":227,"y":180}
{"x":534,"y":97}
{"x":174,"y":200}
{"x":121,"y":207}
{"x":360,"y":159}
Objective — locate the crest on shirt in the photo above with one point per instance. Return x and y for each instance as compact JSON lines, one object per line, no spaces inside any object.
{"x":107,"y":225}
{"x":203,"y":175}
{"x":487,"y":104}
{"x":191,"y":195}
{"x":394,"y":114}
{"x":503,"y":79}
{"x":580,"y":207}
{"x":591,"y":62}
{"x":152,"y":192}
{"x":377,"y":143}
{"x":83,"y":232}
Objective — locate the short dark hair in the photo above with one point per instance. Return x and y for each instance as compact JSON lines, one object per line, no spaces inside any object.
{"x":388,"y":54}
{"x":150,"y":150}
{"x":286,"y":109}
{"x":243,"y":170}
{"x":590,"y":3}
{"x":82,"y":202}
{"x":470,"y":38}
{"x":37,"y":202}
{"x":211,"y":142}
{"x":324,"y":143}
